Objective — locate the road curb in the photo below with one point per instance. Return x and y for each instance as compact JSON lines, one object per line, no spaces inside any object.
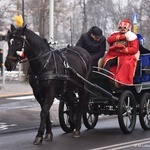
{"x":16,"y":94}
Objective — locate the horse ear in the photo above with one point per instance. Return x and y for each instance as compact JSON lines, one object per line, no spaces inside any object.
{"x":12,"y":28}
{"x":24,"y":28}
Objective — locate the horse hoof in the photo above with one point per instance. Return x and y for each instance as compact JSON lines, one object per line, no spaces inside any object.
{"x":48,"y":137}
{"x":38,"y":141}
{"x":76,"y":134}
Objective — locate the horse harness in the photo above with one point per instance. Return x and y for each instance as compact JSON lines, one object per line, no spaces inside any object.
{"x":52,"y":75}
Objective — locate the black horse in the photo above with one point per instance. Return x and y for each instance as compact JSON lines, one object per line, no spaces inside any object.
{"x":52,"y":73}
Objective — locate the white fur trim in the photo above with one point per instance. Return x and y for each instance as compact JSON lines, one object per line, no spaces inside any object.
{"x":19,"y":53}
{"x":130,"y":36}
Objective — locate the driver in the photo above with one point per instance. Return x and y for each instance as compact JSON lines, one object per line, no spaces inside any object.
{"x":94,"y":42}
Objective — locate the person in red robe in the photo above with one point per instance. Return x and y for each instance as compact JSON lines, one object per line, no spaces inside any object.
{"x":120,"y":58}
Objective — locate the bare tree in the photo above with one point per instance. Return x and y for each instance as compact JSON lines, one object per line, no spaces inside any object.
{"x":76,"y":16}
{"x":7,"y":9}
{"x":39,"y":13}
{"x":145,"y":21}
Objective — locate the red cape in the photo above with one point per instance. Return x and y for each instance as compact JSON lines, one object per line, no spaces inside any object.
{"x":126,"y":66}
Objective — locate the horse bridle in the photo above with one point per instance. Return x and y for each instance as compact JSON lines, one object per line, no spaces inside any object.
{"x":18,"y":59}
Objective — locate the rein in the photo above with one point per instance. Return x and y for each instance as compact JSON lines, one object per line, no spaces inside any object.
{"x":39,"y":56}
{"x":27,"y":60}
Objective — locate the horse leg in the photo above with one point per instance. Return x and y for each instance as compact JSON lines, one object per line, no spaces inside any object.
{"x":44,"y":115}
{"x":70,"y":97}
{"x":49,"y":134}
{"x":40,"y":98}
{"x":77,"y":121}
{"x":82,"y":99}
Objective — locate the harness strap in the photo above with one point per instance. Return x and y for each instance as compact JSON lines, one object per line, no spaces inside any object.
{"x":63,"y":57}
{"x":48,"y":76}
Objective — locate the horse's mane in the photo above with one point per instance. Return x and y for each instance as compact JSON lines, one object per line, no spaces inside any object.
{"x":34,"y":38}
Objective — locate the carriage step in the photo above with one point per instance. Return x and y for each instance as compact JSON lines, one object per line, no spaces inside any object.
{"x":104,"y":112}
{"x":99,"y":102}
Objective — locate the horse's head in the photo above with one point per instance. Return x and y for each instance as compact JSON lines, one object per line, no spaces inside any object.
{"x":16,"y":45}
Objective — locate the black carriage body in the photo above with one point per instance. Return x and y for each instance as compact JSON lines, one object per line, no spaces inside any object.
{"x":103,"y":103}
{"x":120,"y":99}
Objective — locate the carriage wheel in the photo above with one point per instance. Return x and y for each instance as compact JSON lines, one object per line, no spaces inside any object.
{"x":90,"y":119}
{"x":64,"y":117}
{"x":127,"y":112}
{"x":144,"y":111}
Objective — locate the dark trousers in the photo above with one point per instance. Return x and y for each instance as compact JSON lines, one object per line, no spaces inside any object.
{"x":110,"y":63}
{"x":95,"y":63}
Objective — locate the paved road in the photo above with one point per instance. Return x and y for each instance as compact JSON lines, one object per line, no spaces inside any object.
{"x":23,"y":113}
{"x":105,"y":136}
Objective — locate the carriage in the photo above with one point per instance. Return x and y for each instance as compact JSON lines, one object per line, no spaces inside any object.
{"x":106,"y":98}
{"x":66,"y":74}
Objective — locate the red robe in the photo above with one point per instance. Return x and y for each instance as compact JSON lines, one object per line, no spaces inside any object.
{"x":124,"y":47}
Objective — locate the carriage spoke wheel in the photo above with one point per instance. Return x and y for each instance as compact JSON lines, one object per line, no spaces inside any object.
{"x":144,"y":111}
{"x":64,"y":117}
{"x":90,"y":119}
{"x":127,"y":112}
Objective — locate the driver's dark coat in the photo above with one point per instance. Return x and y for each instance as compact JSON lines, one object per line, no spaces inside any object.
{"x":96,"y":49}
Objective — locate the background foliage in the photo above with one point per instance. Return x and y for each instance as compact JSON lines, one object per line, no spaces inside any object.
{"x":73,"y":17}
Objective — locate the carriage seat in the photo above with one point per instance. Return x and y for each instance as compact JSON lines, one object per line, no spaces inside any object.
{"x":143,"y":69}
{"x":142,"y":73}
